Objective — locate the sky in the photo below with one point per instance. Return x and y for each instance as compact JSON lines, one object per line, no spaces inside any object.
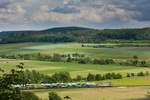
{"x":99,"y":14}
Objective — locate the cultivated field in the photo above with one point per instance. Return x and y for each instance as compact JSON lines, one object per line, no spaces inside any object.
{"x":49,"y":68}
{"x":122,"y":93}
{"x":46,"y":67}
{"x":68,"y":48}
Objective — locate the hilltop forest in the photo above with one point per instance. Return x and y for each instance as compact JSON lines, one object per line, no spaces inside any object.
{"x":74,"y":34}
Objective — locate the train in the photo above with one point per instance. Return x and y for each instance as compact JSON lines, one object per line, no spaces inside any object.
{"x":62,"y":85}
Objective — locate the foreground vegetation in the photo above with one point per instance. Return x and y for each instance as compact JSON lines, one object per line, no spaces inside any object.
{"x":16,"y":77}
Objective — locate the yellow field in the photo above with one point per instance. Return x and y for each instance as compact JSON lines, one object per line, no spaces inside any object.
{"x":99,"y":93}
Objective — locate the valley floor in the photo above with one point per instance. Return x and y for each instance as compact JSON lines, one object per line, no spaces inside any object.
{"x":49,"y":68}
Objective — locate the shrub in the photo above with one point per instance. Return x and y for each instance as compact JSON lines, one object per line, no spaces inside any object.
{"x":141,"y":74}
{"x":9,"y":95}
{"x":90,"y":77}
{"x":29,"y":96}
{"x":128,"y":75}
{"x":98,"y":77}
{"x":132,"y":74}
{"x":54,"y":96}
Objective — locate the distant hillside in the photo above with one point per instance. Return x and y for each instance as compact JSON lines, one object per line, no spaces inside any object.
{"x":64,"y":29}
{"x":74,"y":34}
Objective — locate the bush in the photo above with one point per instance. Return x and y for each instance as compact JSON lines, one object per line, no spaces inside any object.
{"x":62,"y":77}
{"x":29,"y":96}
{"x":90,"y":77}
{"x":98,"y":77}
{"x":132,"y":74}
{"x":140,"y":74}
{"x":54,"y":96}
{"x":78,"y":78}
{"x":8,"y":95}
{"x":128,"y":75}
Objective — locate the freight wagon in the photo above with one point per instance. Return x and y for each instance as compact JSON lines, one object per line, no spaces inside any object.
{"x":62,"y":85}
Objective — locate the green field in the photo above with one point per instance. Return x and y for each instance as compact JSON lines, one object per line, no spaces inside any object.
{"x":46,"y":67}
{"x":68,"y":48}
{"x":75,"y":69}
{"x":49,"y":68}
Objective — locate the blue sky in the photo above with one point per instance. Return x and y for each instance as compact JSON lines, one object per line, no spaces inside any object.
{"x":41,"y":14}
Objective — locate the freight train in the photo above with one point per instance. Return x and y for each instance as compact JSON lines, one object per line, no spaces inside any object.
{"x":62,"y":85}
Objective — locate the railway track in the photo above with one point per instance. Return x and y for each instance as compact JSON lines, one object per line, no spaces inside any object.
{"x":124,"y":86}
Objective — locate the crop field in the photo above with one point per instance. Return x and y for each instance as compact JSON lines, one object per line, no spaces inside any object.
{"x":122,"y":93}
{"x":75,"y":69}
{"x":17,"y":48}
{"x":49,"y":68}
{"x":69,"y":48}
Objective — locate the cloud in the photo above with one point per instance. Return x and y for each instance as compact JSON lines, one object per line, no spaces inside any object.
{"x":92,"y":13}
{"x":3,"y":4}
{"x":66,"y":10}
{"x":105,"y":13}
{"x":15,"y":15}
{"x":140,"y":6}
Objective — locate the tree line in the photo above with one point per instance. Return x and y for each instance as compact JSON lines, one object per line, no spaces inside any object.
{"x":75,"y":35}
{"x":117,"y":45}
{"x":63,"y":77}
{"x":34,"y":77}
{"x":79,"y":58}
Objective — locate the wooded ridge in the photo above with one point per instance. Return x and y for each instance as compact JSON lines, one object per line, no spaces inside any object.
{"x":74,"y":34}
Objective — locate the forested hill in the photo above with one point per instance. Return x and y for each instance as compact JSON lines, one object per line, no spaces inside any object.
{"x":64,"y":29}
{"x":74,"y":34}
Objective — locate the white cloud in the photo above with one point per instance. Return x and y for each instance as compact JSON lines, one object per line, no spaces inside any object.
{"x":91,"y":12}
{"x":87,"y":14}
{"x":16,"y":15}
{"x":66,"y":2}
